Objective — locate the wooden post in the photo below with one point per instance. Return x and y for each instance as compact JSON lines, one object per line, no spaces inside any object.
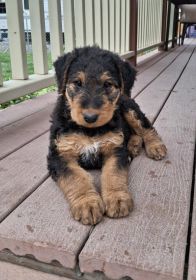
{"x":133,"y":30}
{"x":168,"y":23}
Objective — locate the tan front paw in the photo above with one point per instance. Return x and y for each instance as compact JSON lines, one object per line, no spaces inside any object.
{"x":156,"y":150}
{"x":88,"y":209}
{"x":135,"y":145}
{"x":118,"y":204}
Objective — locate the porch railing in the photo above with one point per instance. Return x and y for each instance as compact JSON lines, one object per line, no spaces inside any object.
{"x":107,"y":23}
{"x":149,"y":23}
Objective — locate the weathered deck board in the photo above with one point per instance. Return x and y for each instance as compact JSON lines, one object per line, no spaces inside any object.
{"x":150,"y":244}
{"x":42,"y":226}
{"x":10,"y":271}
{"x":21,"y":172}
{"x":26,"y":108}
{"x":48,"y":194}
{"x":192,"y":254}
{"x":153,"y":97}
{"x":20,"y":133}
{"x":149,"y":59}
{"x":14,"y":136}
{"x":151,"y":73}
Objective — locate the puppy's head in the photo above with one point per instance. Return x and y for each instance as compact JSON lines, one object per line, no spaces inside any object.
{"x":92,"y":80}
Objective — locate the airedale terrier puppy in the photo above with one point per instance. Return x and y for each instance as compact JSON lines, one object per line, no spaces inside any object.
{"x":97,"y":125}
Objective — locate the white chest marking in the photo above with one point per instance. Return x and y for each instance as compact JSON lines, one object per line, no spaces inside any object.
{"x":90,"y":150}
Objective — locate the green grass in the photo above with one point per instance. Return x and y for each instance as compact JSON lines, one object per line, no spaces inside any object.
{"x":6,"y":71}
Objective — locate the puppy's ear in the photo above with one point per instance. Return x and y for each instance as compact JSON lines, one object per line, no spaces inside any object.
{"x":128,"y":75}
{"x":61,"y":66}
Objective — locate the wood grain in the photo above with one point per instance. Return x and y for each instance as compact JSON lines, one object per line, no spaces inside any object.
{"x":192,"y":254}
{"x":10,"y":271}
{"x":133,"y":246}
{"x":147,"y":60}
{"x":150,"y":244}
{"x":153,"y":97}
{"x":43,"y":227}
{"x":21,"y":172}
{"x":14,"y":136}
{"x":151,"y":73}
{"x":17,"y":112}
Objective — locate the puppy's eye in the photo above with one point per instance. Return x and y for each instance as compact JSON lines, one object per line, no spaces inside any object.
{"x":77,"y":83}
{"x":107,"y":84}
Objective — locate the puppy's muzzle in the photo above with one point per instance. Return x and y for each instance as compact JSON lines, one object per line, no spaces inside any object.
{"x":90,"y":118}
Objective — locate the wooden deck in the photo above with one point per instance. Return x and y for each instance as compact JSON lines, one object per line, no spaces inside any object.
{"x":38,"y":237}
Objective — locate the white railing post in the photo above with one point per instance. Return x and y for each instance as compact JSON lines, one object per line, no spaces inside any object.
{"x":38,"y":36}
{"x":149,"y":23}
{"x":112,"y":24}
{"x":123,"y":21}
{"x":79,"y":17}
{"x":1,"y":77}
{"x":89,"y":20}
{"x":98,"y":22}
{"x":69,"y":28}
{"x":117,"y":25}
{"x":16,"y":39}
{"x":105,"y":24}
{"x":55,"y":21}
{"x":171,"y":21}
{"x":127,"y":33}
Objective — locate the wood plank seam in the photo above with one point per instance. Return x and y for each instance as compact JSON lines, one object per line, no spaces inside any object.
{"x":93,"y":227}
{"x":161,"y":55}
{"x":178,"y":79}
{"x":23,"y":117}
{"x":25,"y":197}
{"x":189,"y":249}
{"x":20,"y":106}
{"x":175,"y":84}
{"x":138,"y":93}
{"x":24,"y":144}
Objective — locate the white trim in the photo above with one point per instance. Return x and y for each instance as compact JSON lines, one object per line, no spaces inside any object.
{"x":16,"y":88}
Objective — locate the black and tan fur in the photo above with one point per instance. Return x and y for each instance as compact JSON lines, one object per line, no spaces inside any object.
{"x":97,"y":125}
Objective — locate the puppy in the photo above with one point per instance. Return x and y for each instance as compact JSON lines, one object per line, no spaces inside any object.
{"x":97,"y":125}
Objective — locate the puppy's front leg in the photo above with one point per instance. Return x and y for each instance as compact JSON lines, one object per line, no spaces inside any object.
{"x":154,"y":145}
{"x":114,"y":183}
{"x":85,"y":203}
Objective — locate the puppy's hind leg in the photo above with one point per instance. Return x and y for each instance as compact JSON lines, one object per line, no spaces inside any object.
{"x":153,"y":143}
{"x":134,"y":145}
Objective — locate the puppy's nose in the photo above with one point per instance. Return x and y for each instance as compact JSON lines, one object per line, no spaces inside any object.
{"x":90,"y":118}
